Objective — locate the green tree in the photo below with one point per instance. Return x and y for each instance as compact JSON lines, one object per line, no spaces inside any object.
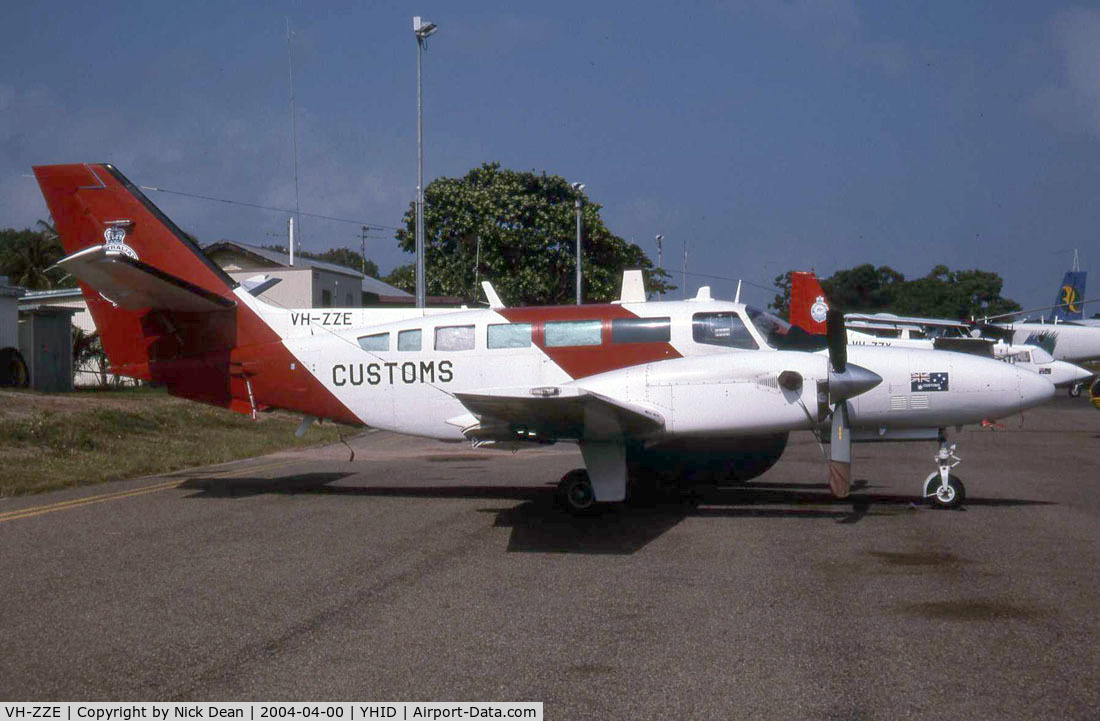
{"x":526,"y":225}
{"x":26,"y":256}
{"x":403,"y":277}
{"x":944,"y":293}
{"x":863,"y":289}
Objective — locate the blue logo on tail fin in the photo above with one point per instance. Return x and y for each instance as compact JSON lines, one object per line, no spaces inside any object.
{"x":1070,"y":294}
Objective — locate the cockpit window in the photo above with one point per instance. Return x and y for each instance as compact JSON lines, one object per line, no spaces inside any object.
{"x":724,"y":329}
{"x":782,"y":335}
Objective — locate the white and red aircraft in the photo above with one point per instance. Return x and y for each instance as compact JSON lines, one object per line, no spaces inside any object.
{"x":890,"y":330}
{"x":645,"y":389}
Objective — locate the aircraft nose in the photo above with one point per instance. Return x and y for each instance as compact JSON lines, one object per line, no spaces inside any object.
{"x":1034,"y":389}
{"x":853,"y":381}
{"x":1081,"y":374}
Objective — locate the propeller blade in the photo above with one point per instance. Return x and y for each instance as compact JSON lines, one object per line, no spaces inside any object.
{"x":838,"y":340}
{"x":840,"y":452}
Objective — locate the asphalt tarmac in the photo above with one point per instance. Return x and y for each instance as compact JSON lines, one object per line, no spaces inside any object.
{"x":425,"y":571}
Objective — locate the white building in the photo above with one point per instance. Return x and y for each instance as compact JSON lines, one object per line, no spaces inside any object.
{"x":306,"y":284}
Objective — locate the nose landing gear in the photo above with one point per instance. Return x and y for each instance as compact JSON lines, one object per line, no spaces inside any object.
{"x":941,"y":488}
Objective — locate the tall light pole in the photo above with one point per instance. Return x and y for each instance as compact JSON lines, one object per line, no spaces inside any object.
{"x":422,"y":30}
{"x":659,"y":262}
{"x":577,"y":188}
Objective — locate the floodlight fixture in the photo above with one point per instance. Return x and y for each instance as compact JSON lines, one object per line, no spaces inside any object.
{"x":423,"y":29}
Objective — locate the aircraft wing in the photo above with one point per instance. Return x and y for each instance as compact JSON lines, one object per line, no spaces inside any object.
{"x":128,"y":283}
{"x":551,"y":413}
{"x":889,"y":320}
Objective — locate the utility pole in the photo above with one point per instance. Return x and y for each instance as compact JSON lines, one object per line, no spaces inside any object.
{"x":363,"y":238}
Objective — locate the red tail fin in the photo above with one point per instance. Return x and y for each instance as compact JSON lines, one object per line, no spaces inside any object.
{"x":164,"y":311}
{"x":808,"y":302}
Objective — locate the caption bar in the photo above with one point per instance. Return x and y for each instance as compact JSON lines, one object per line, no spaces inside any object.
{"x":347,"y":711}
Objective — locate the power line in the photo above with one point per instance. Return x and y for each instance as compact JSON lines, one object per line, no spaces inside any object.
{"x":735,"y":280}
{"x":371,"y":223}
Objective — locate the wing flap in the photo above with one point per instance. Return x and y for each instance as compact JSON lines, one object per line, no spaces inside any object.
{"x":550,"y":413}
{"x":133,"y":285}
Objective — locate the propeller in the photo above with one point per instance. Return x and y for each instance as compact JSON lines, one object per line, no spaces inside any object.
{"x":845,"y":381}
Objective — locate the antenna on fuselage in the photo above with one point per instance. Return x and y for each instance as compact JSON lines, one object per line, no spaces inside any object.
{"x":737,"y":295}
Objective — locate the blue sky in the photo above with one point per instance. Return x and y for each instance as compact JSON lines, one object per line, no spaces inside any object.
{"x":767,"y":135}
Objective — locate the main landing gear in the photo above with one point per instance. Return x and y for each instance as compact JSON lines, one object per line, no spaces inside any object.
{"x":576,"y":494}
{"x":941,"y":488}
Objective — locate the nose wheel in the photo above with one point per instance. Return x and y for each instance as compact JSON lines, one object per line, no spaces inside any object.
{"x":941,"y":488}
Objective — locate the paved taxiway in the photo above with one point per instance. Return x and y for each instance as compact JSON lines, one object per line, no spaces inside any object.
{"x":425,"y":571}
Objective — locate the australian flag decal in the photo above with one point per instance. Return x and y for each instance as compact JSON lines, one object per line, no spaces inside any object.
{"x":928,"y":382}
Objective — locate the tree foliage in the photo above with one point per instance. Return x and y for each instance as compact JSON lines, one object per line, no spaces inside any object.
{"x":26,"y":255}
{"x":942,"y":293}
{"x":526,"y":224}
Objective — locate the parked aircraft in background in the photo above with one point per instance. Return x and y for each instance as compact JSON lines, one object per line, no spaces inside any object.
{"x":647,"y":390}
{"x":1065,"y":334}
{"x":887,"y":329}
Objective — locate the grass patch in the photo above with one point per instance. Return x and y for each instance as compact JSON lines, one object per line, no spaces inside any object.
{"x":75,"y":439}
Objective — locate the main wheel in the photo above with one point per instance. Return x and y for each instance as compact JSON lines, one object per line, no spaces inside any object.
{"x":576,"y":494}
{"x":940,"y":497}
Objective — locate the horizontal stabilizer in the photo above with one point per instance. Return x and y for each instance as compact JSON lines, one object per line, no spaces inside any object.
{"x":551,"y":413}
{"x":128,"y":283}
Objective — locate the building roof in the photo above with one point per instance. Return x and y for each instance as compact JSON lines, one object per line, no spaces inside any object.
{"x":9,"y":291}
{"x":39,"y":296}
{"x":370,"y":285}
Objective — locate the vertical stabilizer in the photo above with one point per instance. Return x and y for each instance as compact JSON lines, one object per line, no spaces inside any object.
{"x":809,"y":307}
{"x":1068,"y":305}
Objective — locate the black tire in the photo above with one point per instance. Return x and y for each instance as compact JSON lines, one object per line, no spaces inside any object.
{"x":946,"y":499}
{"x":13,"y":370}
{"x":575,"y":493}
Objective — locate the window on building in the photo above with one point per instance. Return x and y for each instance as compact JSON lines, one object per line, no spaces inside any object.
{"x":640,"y":330}
{"x":509,"y":335}
{"x":409,"y":340}
{"x":724,"y":329}
{"x":326,"y":298}
{"x":573,"y":332}
{"x":454,"y":337}
{"x":375,"y":342}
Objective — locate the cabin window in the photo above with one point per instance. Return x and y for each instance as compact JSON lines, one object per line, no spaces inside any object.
{"x":377,"y":341}
{"x":409,"y":340}
{"x":724,"y":329}
{"x":454,"y":337}
{"x":509,"y":335}
{"x":573,"y":332}
{"x":640,"y":330}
